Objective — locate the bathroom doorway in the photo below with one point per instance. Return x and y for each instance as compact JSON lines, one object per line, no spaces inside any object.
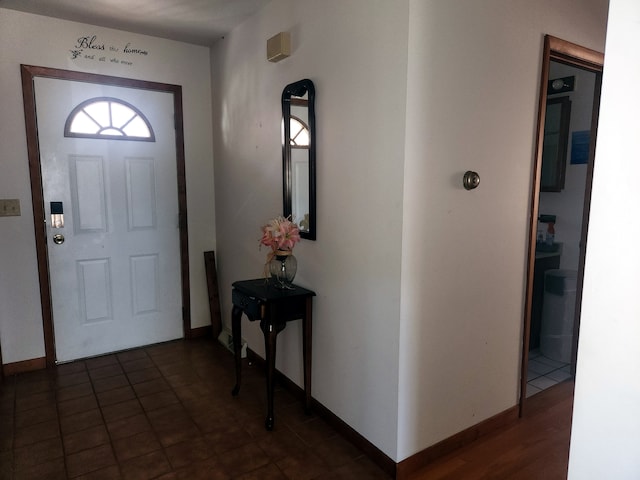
{"x":561,"y":194}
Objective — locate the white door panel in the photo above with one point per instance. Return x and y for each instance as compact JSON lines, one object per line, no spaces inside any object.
{"x":115,"y":281}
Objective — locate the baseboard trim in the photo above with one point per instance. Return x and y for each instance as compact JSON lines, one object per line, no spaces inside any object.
{"x":41,"y":363}
{"x":370,"y":450}
{"x":414,"y":463}
{"x":200,"y":332}
{"x":24,"y":366}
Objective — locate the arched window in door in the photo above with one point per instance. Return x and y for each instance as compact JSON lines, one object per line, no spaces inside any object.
{"x":108,"y":118}
{"x":299,"y":133}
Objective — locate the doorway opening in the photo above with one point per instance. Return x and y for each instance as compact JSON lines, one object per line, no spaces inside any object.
{"x":32,"y":75}
{"x":561,"y":194}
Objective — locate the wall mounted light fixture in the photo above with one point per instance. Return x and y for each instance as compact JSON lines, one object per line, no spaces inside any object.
{"x":561,"y":85}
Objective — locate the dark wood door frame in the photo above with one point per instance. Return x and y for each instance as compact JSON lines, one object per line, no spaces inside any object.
{"x":29,"y":73}
{"x":571,"y":54}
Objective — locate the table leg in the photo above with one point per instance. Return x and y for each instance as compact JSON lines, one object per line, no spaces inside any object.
{"x":270,"y":334}
{"x":306,"y":356}
{"x":236,"y":317}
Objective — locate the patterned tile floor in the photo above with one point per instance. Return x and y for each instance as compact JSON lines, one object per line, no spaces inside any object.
{"x":543,"y":372}
{"x":164,"y":412}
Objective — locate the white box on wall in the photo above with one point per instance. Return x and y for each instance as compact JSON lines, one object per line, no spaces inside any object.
{"x":279,"y":47}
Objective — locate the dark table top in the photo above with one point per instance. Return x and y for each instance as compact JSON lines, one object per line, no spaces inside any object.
{"x":266,"y":289}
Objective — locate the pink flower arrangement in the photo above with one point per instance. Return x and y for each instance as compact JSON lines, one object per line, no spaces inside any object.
{"x":280,"y":234}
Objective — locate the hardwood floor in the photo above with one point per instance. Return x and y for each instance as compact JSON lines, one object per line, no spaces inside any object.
{"x":536,"y":447}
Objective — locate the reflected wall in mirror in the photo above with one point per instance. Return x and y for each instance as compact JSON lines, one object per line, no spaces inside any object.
{"x":299,"y":156}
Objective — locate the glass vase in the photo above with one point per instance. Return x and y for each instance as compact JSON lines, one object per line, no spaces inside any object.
{"x":283,"y":267}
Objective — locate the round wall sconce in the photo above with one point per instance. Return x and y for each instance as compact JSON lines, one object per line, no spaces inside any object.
{"x":470,"y":180}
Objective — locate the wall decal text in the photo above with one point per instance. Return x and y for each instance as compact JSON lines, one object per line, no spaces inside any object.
{"x":89,"y":47}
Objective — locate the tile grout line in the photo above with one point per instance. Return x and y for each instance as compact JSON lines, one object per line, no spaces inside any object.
{"x":58,"y":417}
{"x":545,"y":375}
{"x":146,"y":412}
{"x":104,"y":421}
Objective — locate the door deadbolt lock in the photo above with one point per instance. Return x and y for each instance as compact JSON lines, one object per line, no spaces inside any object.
{"x":58,"y":238}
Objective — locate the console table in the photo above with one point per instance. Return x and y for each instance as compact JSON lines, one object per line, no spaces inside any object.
{"x":260,"y":299}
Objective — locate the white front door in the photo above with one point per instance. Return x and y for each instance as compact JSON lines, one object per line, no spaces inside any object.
{"x":115,"y":279}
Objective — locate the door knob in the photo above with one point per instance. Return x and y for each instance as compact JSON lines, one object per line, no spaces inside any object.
{"x":470,"y":180}
{"x":58,"y":238}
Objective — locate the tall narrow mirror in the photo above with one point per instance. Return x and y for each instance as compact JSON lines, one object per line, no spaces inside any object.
{"x":559,"y":215}
{"x":299,"y":156}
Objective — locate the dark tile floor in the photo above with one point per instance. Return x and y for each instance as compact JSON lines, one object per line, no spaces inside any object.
{"x":164,"y":412}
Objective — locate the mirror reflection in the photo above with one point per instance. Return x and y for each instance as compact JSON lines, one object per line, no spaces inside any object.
{"x":555,"y":145}
{"x":298,"y":156}
{"x":568,"y":120}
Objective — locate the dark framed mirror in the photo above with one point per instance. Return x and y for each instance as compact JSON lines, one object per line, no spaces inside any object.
{"x":299,"y":156}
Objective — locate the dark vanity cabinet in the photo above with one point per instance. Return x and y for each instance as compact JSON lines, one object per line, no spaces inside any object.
{"x":544,"y":262}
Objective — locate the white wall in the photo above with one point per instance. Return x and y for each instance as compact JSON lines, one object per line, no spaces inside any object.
{"x":356,"y":54}
{"x":420,"y":284}
{"x":606,"y":425}
{"x":452,"y":316}
{"x":473,"y":83}
{"x":36,"y":40}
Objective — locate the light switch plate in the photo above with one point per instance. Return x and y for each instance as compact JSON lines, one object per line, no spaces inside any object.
{"x":9,"y":207}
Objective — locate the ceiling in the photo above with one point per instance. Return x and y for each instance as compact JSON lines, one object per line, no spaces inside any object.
{"x":202,"y":22}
